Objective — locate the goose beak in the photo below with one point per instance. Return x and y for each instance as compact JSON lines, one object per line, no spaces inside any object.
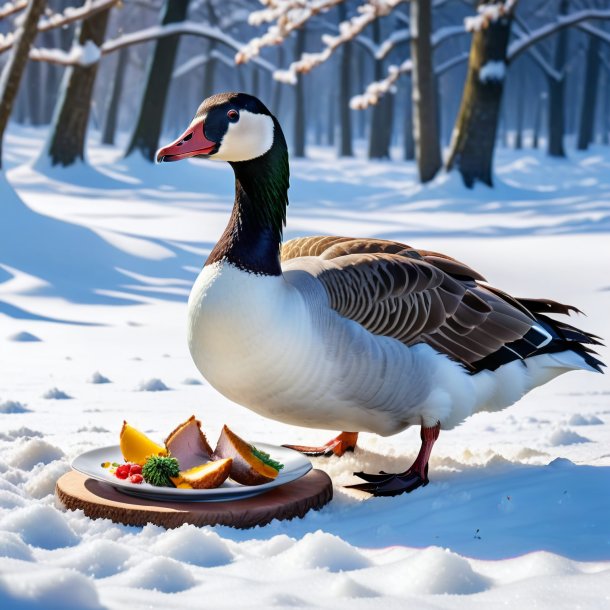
{"x":190,"y":144}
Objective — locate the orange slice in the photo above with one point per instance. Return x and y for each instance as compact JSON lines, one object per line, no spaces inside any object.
{"x":136,"y":446}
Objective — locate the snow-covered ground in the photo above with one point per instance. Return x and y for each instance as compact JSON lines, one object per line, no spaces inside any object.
{"x":94,"y":275}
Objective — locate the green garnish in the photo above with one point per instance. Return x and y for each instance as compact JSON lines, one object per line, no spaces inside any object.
{"x":266,"y":458}
{"x":158,"y":469}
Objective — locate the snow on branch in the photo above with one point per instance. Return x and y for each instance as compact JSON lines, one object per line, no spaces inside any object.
{"x":188,"y":28}
{"x":394,"y":39}
{"x":488,"y":13}
{"x":10,"y":8}
{"x":71,"y":14}
{"x":57,"y":20}
{"x":378,"y":89}
{"x":290,"y":15}
{"x":85,"y":55}
{"x":523,"y":44}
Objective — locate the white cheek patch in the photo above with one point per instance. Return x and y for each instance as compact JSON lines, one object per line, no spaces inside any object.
{"x":249,"y":138}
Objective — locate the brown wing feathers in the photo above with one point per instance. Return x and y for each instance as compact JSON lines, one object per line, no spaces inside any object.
{"x":420,"y":296}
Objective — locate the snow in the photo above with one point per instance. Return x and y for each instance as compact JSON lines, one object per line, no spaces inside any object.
{"x":24,"y":337}
{"x":79,"y":55}
{"x":97,"y":377}
{"x":56,"y":394}
{"x":518,"y":502}
{"x":12,"y":406}
{"x":152,"y":385}
{"x":492,"y":71}
{"x":564,"y":436}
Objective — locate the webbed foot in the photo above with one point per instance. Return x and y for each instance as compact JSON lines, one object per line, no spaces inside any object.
{"x":346,"y":441}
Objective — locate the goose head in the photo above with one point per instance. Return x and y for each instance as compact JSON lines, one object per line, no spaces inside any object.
{"x":233,"y":127}
{"x":238,"y":128}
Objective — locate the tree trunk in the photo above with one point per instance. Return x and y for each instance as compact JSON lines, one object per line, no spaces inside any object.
{"x":69,"y":129}
{"x":606,"y":113}
{"x":381,"y":121}
{"x":112,"y":115}
{"x":425,"y":115}
{"x":345,"y":91}
{"x":145,"y":137}
{"x":409,"y":143}
{"x":14,"y":67}
{"x":589,"y":98}
{"x":519,"y":114}
{"x":537,"y":121}
{"x":474,"y":136}
{"x":52,"y":79}
{"x":330,"y":124}
{"x":255,"y":82}
{"x":277,"y":85}
{"x":34,"y":87}
{"x":556,"y":92}
{"x":210,"y":67}
{"x":299,"y":106}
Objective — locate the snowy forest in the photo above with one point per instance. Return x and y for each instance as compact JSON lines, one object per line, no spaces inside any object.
{"x":395,"y":275}
{"x":366,"y":77}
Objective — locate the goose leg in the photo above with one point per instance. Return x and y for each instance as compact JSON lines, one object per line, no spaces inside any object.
{"x":346,"y":441}
{"x":388,"y":484}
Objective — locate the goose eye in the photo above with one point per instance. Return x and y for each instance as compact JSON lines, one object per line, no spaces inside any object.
{"x":233,"y":115}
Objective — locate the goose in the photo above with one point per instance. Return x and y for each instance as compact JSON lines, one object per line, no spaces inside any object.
{"x":352,"y":334}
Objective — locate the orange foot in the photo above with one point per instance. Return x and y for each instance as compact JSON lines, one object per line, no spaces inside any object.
{"x":346,"y":441}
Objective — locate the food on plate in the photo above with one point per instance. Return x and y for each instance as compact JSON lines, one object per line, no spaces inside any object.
{"x":188,"y":444}
{"x":187,"y":460}
{"x":159,"y":470}
{"x":204,"y":476}
{"x":250,"y":465}
{"x":136,"y":446}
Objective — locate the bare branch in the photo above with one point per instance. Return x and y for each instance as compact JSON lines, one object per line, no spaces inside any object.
{"x":451,"y":63}
{"x":593,"y":31}
{"x":202,"y":59}
{"x":517,"y":47}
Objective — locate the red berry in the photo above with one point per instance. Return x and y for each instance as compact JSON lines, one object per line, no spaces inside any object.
{"x":136,"y":478}
{"x":135,"y":469}
{"x":122,"y":472}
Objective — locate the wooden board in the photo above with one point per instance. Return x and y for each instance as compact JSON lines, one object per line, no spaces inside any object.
{"x":100,"y":500}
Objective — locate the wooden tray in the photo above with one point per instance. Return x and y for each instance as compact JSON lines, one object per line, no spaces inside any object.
{"x":101,"y":501}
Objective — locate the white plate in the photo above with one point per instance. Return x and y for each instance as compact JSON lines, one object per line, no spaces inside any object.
{"x":90,"y":464}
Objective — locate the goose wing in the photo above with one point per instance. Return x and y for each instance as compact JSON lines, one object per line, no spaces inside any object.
{"x":418,"y":296}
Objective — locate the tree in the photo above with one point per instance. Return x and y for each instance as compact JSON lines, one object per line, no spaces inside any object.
{"x":13,"y":70}
{"x":423,"y":83}
{"x":145,"y":137}
{"x":298,"y":144}
{"x":116,"y":90}
{"x":66,"y":144}
{"x":589,"y":98}
{"x":474,"y":138}
{"x":473,"y":143}
{"x":345,"y":91}
{"x":286,"y":16}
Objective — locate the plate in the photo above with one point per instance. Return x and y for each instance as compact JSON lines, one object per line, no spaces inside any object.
{"x":90,"y":464}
